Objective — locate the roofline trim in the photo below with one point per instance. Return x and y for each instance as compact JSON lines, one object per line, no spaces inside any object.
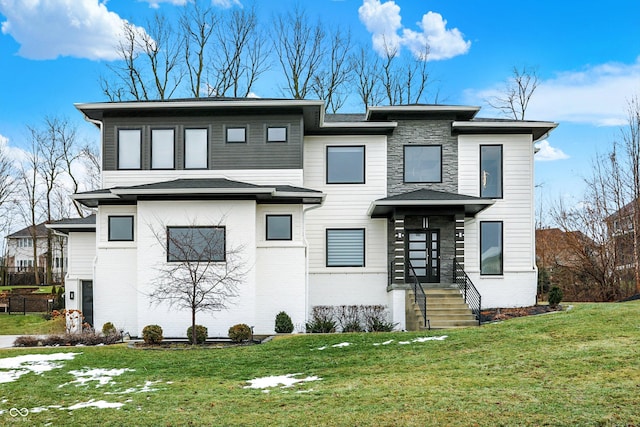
{"x":192,"y":104}
{"x":423,"y":109}
{"x":459,"y":202}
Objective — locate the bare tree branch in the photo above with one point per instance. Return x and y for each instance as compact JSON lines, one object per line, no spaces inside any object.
{"x":516,"y":95}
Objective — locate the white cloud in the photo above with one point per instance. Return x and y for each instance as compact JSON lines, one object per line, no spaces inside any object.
{"x":596,"y":95}
{"x":156,"y":3}
{"x":77,"y":28}
{"x":226,"y":4}
{"x":547,"y":153}
{"x":384,"y":22}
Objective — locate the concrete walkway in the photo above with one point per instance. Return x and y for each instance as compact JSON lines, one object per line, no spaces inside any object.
{"x":6,"y":341}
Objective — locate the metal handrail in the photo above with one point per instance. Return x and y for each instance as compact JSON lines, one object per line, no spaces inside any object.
{"x":420,"y":297}
{"x":471,"y":295}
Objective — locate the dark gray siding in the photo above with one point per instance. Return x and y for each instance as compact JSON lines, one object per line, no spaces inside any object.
{"x":256,"y":153}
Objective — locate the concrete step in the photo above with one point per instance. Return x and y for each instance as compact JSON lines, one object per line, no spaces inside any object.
{"x":449,"y":324}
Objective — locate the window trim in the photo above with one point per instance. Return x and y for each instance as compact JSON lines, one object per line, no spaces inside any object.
{"x":364,"y":246}
{"x":118,"y":167}
{"x":501,"y":171}
{"x":364,"y":165}
{"x":266,"y":227}
{"x":184,"y":148}
{"x":173,"y":155}
{"x":404,"y":164}
{"x":278,"y":141}
{"x":133,"y":237}
{"x":228,"y":128}
{"x":224,"y":242}
{"x":501,"y":273}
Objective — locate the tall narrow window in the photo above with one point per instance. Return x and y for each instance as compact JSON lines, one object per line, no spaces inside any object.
{"x":345,"y":165}
{"x":491,"y":248}
{"x":491,"y":171}
{"x":162,"y":149}
{"x":236,"y":134}
{"x":278,"y":227}
{"x":345,"y":247}
{"x":129,"y":148}
{"x":196,"y":153}
{"x":422,"y":163}
{"x":202,"y":243}
{"x":121,"y":228}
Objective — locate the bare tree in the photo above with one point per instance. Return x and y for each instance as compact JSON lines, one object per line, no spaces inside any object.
{"x":29,"y":207}
{"x":7,"y":176}
{"x":197,"y":24}
{"x":367,"y":82}
{"x":330,"y":83}
{"x":201,"y":273}
{"x":90,"y":158}
{"x":514,"y":99}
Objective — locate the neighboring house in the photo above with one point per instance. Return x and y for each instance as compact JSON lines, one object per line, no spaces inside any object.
{"x":621,"y":233}
{"x":19,"y":253}
{"x":330,"y":209}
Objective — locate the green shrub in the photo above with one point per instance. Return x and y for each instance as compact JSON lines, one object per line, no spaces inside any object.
{"x":284,"y":325}
{"x":109,"y":329}
{"x":152,"y":334}
{"x":322,"y":320}
{"x":201,"y":334}
{"x":555,"y":296}
{"x":240,"y":332}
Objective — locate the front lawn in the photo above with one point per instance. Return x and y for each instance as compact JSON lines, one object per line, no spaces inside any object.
{"x":30,"y":324}
{"x":579,"y":367}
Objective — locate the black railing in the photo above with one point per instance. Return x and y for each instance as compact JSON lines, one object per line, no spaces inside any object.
{"x":469,"y":292}
{"x":420,"y":297}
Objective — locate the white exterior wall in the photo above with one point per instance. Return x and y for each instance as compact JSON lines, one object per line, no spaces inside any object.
{"x":346,"y":206}
{"x":82,"y":253}
{"x":517,"y":286}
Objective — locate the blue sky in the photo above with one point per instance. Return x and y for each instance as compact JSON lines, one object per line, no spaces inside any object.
{"x":587,"y":54}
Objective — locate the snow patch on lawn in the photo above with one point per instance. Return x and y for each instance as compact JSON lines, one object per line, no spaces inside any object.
{"x":146,"y":388}
{"x":285,"y":381}
{"x":12,"y":368}
{"x":96,"y":404}
{"x":102,"y":376}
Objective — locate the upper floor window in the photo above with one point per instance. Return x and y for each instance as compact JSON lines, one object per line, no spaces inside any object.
{"x":345,"y":165}
{"x":345,"y":247}
{"x":422,"y":163}
{"x":129,"y":148}
{"x":121,"y":228}
{"x":491,"y":248}
{"x":196,"y":152}
{"x":236,"y":134}
{"x":162,"y":149}
{"x":199,"y":243}
{"x":277,"y":134}
{"x":491,"y":171}
{"x":278,"y":227}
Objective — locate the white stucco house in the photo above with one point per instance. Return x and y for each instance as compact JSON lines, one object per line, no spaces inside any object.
{"x":344,"y":209}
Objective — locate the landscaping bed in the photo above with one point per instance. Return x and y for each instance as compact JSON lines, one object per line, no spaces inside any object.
{"x":496,"y":314}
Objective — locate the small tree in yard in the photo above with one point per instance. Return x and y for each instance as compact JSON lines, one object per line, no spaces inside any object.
{"x":201,"y":273}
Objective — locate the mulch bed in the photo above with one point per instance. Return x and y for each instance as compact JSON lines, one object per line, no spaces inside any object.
{"x":496,"y":314}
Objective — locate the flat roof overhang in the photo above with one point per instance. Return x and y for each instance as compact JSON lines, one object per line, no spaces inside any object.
{"x":428,"y":201}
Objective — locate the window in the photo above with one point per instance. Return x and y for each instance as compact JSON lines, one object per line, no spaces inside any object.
{"x":278,"y":227}
{"x":129,"y":148}
{"x":491,"y":171}
{"x":422,"y":163}
{"x":196,"y":153}
{"x":345,"y":165}
{"x":237,"y":134}
{"x":162,"y":149}
{"x":196,"y":243}
{"x":121,"y":228}
{"x":277,"y":134}
{"x":345,"y":247}
{"x":491,"y":248}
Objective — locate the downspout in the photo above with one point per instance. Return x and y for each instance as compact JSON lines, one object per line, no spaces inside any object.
{"x":306,"y":257}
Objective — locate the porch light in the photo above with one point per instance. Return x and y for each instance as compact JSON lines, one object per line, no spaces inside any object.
{"x":72,"y":295}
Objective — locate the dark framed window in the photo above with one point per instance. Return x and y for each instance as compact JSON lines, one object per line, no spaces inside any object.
{"x":162,"y":149}
{"x":236,"y":134}
{"x":129,"y":148}
{"x":491,"y":248}
{"x":279,"y":227}
{"x":491,"y":171}
{"x":422,"y":163}
{"x":196,"y":149}
{"x":121,"y":228}
{"x":345,"y":164}
{"x":345,"y":247}
{"x":201,"y":243}
{"x":277,"y":134}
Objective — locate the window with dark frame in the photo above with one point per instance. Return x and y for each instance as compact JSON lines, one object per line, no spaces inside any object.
{"x":279,"y":227}
{"x":346,"y":164}
{"x":491,"y":248}
{"x":196,"y":149}
{"x":491,"y":171}
{"x":197,"y":243}
{"x":277,"y":134}
{"x":162,"y":149}
{"x":422,"y":163}
{"x":129,"y":148}
{"x":236,"y":134}
{"x":120,"y":228}
{"x":345,"y":247}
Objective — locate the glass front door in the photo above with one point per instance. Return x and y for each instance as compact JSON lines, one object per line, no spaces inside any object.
{"x":423,"y":252}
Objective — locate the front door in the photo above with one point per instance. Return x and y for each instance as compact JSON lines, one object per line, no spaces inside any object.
{"x":423,"y":252}
{"x":87,"y":301}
